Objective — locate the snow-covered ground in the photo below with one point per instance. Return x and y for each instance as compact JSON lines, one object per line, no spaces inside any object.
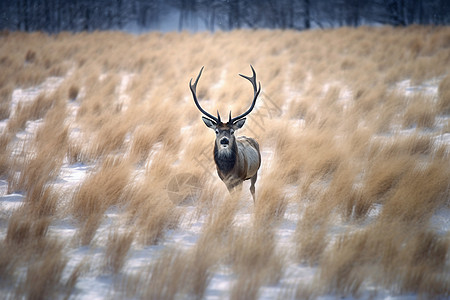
{"x":96,"y":285}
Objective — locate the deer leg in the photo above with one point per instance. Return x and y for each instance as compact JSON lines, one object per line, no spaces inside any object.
{"x":234,"y":186}
{"x":252,"y":186}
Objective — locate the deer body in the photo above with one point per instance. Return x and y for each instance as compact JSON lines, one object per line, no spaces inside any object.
{"x":239,"y":164}
{"x":237,"y":159}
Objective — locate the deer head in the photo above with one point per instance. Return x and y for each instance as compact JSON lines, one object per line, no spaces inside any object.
{"x":225,"y":131}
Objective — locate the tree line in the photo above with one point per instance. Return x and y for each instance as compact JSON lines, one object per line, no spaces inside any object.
{"x":87,"y":15}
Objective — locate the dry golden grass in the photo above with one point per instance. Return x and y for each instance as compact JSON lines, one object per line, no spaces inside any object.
{"x":42,"y":161}
{"x":254,"y":259}
{"x":148,"y":206}
{"x":143,"y":140}
{"x":102,"y":189}
{"x":419,"y":193}
{"x":27,"y":246}
{"x":30,"y":111}
{"x":5,"y":139}
{"x":388,"y":254}
{"x":176,"y":273}
{"x":5,"y":101}
{"x":311,"y":242}
{"x":350,"y":148}
{"x":221,"y":220}
{"x":270,"y":204}
{"x":116,"y":251}
{"x":444,"y":95}
{"x":44,"y":275}
{"x":87,"y":229}
{"x":165,"y":278}
{"x":421,"y":113}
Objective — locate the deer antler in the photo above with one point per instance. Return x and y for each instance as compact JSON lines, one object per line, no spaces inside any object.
{"x":193,"y":90}
{"x":255,"y":95}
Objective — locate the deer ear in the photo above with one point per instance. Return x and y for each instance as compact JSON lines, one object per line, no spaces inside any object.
{"x":239,"y":123}
{"x":210,"y":123}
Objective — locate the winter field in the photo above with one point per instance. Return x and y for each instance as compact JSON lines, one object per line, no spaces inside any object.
{"x":108,"y":188}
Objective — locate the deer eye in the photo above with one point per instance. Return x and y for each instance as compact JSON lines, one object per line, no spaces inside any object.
{"x":217,"y":131}
{"x":231,"y":131}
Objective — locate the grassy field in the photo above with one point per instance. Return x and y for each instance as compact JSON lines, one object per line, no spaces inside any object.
{"x":104,"y":162}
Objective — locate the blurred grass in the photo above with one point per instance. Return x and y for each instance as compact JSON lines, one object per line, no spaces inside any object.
{"x":343,"y":136}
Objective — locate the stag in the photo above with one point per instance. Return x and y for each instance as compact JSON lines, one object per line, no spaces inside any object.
{"x":237,"y":158}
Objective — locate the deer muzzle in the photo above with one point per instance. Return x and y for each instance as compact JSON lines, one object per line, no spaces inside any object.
{"x":224,"y":141}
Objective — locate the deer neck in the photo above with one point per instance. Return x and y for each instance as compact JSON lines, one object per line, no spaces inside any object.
{"x":226,"y":159}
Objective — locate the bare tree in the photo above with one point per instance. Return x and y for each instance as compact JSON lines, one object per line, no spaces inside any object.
{"x":76,"y":15}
